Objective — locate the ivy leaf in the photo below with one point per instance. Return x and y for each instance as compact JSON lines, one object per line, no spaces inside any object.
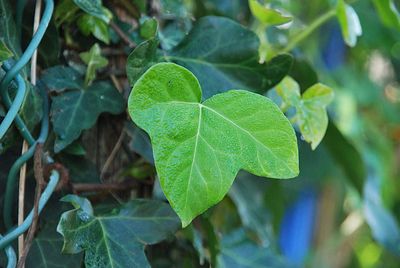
{"x":77,"y":110}
{"x":388,"y":13}
{"x":311,"y":115}
{"x":346,"y":155}
{"x":239,"y":251}
{"x":5,"y":52}
{"x":349,"y":23}
{"x":267,"y":15}
{"x":141,"y":59}
{"x":117,"y":239}
{"x":248,"y":194}
{"x":91,"y":25}
{"x":94,"y":61}
{"x":200,"y":147}
{"x":60,"y":78}
{"x":224,"y":55}
{"x":148,"y":28}
{"x":94,"y":8}
{"x":46,"y":251}
{"x":228,"y":65}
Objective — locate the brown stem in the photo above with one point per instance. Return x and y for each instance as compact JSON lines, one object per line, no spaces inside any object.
{"x":103,"y":187}
{"x":123,"y":36}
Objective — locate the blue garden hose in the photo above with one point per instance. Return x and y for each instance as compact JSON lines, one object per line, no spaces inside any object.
{"x":15,"y":106}
{"x":14,"y":233}
{"x":12,"y":73}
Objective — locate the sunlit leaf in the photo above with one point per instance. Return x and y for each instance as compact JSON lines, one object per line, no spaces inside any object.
{"x":199,"y":147}
{"x":267,"y":15}
{"x":311,"y":115}
{"x":349,"y":22}
{"x":117,"y":239}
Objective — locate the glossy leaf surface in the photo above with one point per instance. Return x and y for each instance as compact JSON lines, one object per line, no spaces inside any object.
{"x":199,"y":147}
{"x":117,"y":239}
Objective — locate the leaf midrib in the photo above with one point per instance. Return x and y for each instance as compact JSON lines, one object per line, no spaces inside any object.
{"x":237,"y":126}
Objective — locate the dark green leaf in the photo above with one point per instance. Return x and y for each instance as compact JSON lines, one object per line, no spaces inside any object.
{"x":384,"y":226}
{"x":117,"y":239}
{"x":80,"y":169}
{"x":140,"y":143}
{"x":94,"y":8}
{"x":46,"y":251}
{"x":76,"y":110}
{"x":224,"y":55}
{"x":248,"y":194}
{"x":199,"y":147}
{"x":60,"y":78}
{"x":141,"y":59}
{"x":346,"y":155}
{"x":239,"y":251}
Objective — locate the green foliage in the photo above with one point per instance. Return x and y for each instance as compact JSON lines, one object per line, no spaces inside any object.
{"x":267,"y":15}
{"x":349,"y":22}
{"x":76,"y":107}
{"x":116,"y":239}
{"x":388,"y":13}
{"x":217,"y":103}
{"x":94,"y":61}
{"x":5,"y":52}
{"x":221,"y":53}
{"x":311,"y":115}
{"x":200,"y":147}
{"x":92,"y":25}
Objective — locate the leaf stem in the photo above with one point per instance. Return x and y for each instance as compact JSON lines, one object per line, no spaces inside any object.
{"x":309,"y":30}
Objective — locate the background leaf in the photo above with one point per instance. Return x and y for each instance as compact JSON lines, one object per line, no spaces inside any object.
{"x":117,"y":239}
{"x":349,"y":22}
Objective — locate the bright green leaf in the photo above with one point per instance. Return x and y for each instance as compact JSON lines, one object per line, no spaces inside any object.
{"x":117,"y":239}
{"x":94,"y":61}
{"x":311,"y":115}
{"x":388,"y":13}
{"x":267,"y":15}
{"x":89,"y":24}
{"x":65,"y":12}
{"x":5,"y":52}
{"x":94,"y":8}
{"x":148,"y":28}
{"x":200,"y":147}
{"x":349,"y":22}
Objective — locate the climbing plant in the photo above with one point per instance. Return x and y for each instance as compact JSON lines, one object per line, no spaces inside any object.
{"x":186,"y":133}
